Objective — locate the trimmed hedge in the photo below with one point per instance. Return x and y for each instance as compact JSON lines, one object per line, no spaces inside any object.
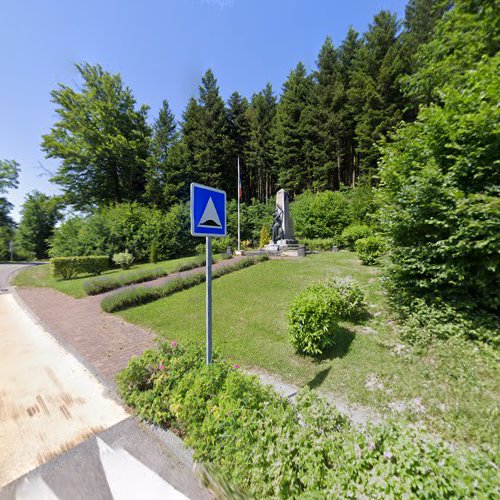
{"x":319,"y":244}
{"x":304,"y":449}
{"x":68,"y":267}
{"x":103,"y":284}
{"x":142,"y":295}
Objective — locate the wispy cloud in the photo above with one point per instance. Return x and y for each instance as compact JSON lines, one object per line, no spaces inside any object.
{"x":222,"y":4}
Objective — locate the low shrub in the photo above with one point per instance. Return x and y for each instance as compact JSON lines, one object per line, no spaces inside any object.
{"x":106,"y":283}
{"x":353,"y":233}
{"x":300,"y":449}
{"x":319,"y":244}
{"x":265,"y":236}
{"x":143,"y":295}
{"x":69,"y":267}
{"x":424,"y":322}
{"x":123,"y":259}
{"x":315,"y":312}
{"x":370,"y":249}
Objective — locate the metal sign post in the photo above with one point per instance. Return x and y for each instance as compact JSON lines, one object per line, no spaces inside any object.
{"x":208,"y":218}
{"x":209,"y":299}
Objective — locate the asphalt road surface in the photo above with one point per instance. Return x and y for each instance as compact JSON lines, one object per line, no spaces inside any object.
{"x":6,"y":271}
{"x":63,"y":435}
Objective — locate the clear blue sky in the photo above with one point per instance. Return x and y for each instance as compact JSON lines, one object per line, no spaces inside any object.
{"x":160,"y":47}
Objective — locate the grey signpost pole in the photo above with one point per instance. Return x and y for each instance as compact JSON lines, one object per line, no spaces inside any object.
{"x":209,"y":299}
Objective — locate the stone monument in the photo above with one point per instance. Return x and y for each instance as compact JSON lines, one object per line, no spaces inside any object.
{"x":283,"y":237}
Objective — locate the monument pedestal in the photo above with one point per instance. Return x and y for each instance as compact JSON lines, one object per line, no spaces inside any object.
{"x":284,"y":242}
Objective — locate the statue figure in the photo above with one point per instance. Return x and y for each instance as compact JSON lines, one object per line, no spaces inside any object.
{"x":277,"y":227}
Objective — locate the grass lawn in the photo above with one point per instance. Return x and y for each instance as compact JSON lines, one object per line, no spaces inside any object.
{"x":40,"y":276}
{"x":453,"y":386}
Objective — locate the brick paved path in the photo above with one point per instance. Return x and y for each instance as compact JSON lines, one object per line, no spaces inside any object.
{"x":105,"y":341}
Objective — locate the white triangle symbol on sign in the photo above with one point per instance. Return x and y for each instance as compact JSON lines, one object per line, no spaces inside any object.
{"x":210,"y":217}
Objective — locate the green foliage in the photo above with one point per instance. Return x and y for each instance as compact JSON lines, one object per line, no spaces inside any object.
{"x":69,"y":267}
{"x":370,"y":249}
{"x":123,"y":259}
{"x":143,"y":295}
{"x":440,"y":193}
{"x":261,"y":174}
{"x":353,"y":233}
{"x":320,"y":215}
{"x":39,"y":215}
{"x":464,"y":35}
{"x":319,"y":244}
{"x":160,"y":178}
{"x":265,"y":236}
{"x":425,"y":322}
{"x":9,"y":174}
{"x":315,"y":312}
{"x":101,"y":139}
{"x":127,"y":225}
{"x":293,"y":128}
{"x":305,"y":449}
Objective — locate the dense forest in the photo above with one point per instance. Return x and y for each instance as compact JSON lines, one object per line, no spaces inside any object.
{"x":321,"y":132}
{"x":395,"y":129}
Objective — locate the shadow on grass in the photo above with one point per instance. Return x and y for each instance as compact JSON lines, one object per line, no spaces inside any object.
{"x":343,"y":338}
{"x":319,"y":378}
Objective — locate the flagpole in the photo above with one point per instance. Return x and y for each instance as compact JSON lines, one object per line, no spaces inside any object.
{"x":239,"y":191}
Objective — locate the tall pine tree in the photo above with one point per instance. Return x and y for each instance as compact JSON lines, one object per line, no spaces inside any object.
{"x":261,"y":171}
{"x":374,"y":96}
{"x":164,"y":137}
{"x":292,"y":132}
{"x":239,"y":134}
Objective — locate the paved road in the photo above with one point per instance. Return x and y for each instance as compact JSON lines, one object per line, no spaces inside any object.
{"x":6,"y":271}
{"x":62,"y":433}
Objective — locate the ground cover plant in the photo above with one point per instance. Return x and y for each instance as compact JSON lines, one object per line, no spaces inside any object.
{"x":143,"y":295}
{"x":448,"y":385}
{"x":302,"y":449}
{"x":40,"y":276}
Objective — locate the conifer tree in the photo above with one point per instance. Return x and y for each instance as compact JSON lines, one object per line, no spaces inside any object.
{"x":239,"y":134}
{"x":329,"y":110}
{"x":164,"y":137}
{"x":292,"y":132}
{"x":211,"y":164}
{"x":375,"y":98}
{"x":261,"y":171}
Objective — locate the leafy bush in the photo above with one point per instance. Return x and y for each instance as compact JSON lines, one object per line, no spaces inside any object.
{"x":139,"y":229}
{"x":441,"y":204}
{"x":424,"y":322}
{"x":265,"y":236}
{"x":143,"y":295}
{"x":353,"y":233}
{"x":123,"y":259}
{"x":315,"y":312}
{"x":319,"y":244}
{"x":305,"y":449}
{"x":320,"y":215}
{"x":68,"y":267}
{"x":370,"y":249}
